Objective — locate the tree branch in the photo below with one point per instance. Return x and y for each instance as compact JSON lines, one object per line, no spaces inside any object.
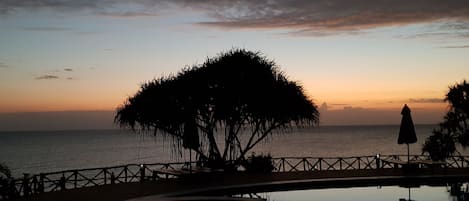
{"x":264,"y":134}
{"x":268,"y":131}
{"x":253,"y":134}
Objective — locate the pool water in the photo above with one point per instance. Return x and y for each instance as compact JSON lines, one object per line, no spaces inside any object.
{"x":385,"y":193}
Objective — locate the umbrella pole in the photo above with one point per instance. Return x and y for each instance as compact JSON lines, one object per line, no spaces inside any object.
{"x":409,"y":195}
{"x":408,"y":153}
{"x":190,"y":161}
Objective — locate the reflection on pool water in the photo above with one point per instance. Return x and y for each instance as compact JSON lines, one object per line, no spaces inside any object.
{"x":385,"y":193}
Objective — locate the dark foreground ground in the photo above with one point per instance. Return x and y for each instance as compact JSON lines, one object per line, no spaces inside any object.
{"x":236,"y":183}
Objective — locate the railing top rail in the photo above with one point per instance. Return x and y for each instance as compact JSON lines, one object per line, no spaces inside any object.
{"x":346,"y":157}
{"x":87,"y":169}
{"x":184,"y":163}
{"x":326,"y":157}
{"x":114,"y":167}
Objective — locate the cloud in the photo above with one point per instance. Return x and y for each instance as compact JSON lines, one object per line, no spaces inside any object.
{"x":7,"y":6}
{"x":110,"y":8}
{"x":457,"y":46}
{"x":340,"y":104}
{"x":127,"y":14}
{"x":46,"y":29}
{"x":3,"y":65}
{"x":426,"y":100}
{"x":367,"y":116}
{"x":332,"y":15}
{"x":67,"y":120}
{"x":300,"y":17}
{"x":68,"y":69}
{"x":47,"y":77}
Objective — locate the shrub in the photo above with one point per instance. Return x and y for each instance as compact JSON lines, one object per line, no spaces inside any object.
{"x":259,"y":164}
{"x":440,"y":145}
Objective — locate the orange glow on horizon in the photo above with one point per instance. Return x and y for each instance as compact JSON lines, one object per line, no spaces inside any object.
{"x":112,"y":103}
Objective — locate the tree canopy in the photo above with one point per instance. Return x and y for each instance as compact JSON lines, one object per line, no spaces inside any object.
{"x":454,"y":128}
{"x":238,"y":94}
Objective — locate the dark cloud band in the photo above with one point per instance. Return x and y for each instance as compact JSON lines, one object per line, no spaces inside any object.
{"x":307,"y":17}
{"x":336,"y":15}
{"x":457,"y":46}
{"x":47,"y":77}
{"x":426,"y":100}
{"x":3,"y":65}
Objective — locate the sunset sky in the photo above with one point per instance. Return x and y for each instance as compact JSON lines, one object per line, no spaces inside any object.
{"x":354,"y":55}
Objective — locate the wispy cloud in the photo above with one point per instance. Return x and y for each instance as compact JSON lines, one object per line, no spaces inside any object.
{"x":301,"y":17}
{"x":47,"y":77}
{"x":426,"y":100}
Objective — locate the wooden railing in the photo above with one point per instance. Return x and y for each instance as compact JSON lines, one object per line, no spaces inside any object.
{"x":79,"y":178}
{"x":292,"y":164}
{"x":72,"y":179}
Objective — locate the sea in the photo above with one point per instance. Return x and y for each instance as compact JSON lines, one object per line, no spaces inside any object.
{"x":47,"y":151}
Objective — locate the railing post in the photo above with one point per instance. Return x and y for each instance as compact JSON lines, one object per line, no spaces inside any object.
{"x":304,"y":164}
{"x":34,"y":185}
{"x":154,"y":175}
{"x":320,"y":163}
{"x":12,"y":191}
{"x":105,"y":175}
{"x":113,"y":178}
{"x":62,"y":183}
{"x":75,"y":179}
{"x":378,"y":162}
{"x":462,"y":161}
{"x":26,"y":185}
{"x":283,"y":164}
{"x":142,"y":172}
{"x":358,"y":160}
{"x":125,"y":174}
{"x":41,"y":183}
{"x":340,"y":163}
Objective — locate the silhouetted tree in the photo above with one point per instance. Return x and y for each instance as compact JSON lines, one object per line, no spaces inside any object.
{"x":454,"y":128}
{"x":239,"y":95}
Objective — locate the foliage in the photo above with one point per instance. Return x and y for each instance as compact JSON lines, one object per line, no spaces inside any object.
{"x":239,"y":95}
{"x":259,"y":164}
{"x":440,"y":145}
{"x":4,"y":171}
{"x":454,"y":128}
{"x":5,"y":179}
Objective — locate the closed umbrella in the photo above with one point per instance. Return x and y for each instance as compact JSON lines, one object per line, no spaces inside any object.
{"x":407,"y":130}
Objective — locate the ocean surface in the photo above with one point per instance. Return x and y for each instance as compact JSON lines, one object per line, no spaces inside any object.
{"x":46,"y":151}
